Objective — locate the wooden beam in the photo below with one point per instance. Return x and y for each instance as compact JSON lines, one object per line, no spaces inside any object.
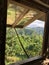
{"x":20,"y":17}
{"x":34,"y":18}
{"x":3,"y":15}
{"x":42,"y":3}
{"x":42,"y":18}
{"x":33,"y":4}
{"x":46,"y":34}
{"x":48,"y":47}
{"x":17,"y":26}
{"x":16,"y":3}
{"x":22,"y":5}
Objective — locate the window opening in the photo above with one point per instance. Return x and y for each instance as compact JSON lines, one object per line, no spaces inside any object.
{"x":30,"y":37}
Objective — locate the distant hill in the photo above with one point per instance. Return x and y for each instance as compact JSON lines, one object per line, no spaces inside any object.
{"x":38,"y":30}
{"x":37,"y":26}
{"x":29,"y":31}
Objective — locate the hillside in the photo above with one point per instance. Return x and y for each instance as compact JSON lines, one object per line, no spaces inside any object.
{"x":29,"y":31}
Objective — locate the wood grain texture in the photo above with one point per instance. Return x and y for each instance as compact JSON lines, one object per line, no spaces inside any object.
{"x":3,"y":14}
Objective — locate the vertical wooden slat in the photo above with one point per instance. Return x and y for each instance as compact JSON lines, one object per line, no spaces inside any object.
{"x":3,"y":10}
{"x":48,"y":45}
{"x":46,"y":32}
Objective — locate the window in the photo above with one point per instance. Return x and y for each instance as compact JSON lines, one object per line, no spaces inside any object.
{"x":24,"y":33}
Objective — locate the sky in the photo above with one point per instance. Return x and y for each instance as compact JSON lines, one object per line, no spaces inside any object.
{"x":36,"y":23}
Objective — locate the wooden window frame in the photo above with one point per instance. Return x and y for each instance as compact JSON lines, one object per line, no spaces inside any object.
{"x":37,"y":5}
{"x":3,"y":17}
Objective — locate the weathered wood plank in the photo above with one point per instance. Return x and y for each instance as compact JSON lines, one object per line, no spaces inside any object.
{"x":17,"y":26}
{"x":45,"y":1}
{"x":33,"y":4}
{"x":46,"y":34}
{"x":42,"y":3}
{"x":3,"y":14}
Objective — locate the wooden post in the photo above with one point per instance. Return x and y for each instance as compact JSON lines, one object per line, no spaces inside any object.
{"x":46,"y":33}
{"x":3,"y":13}
{"x":48,"y":47}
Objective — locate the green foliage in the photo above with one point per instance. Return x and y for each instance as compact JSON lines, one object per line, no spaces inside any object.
{"x":32,"y":44}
